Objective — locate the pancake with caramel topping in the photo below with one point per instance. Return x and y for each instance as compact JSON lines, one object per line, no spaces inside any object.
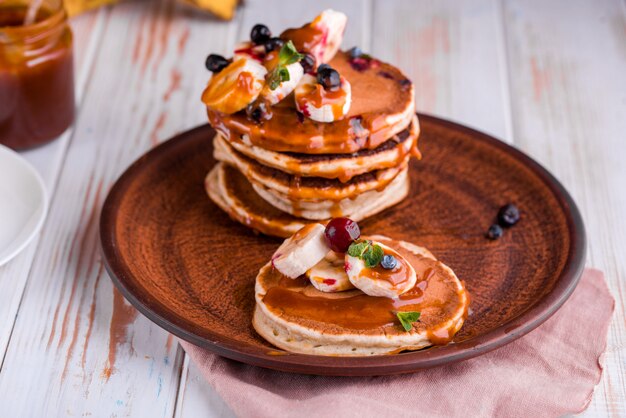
{"x":382,"y":106}
{"x":340,"y":166}
{"x":294,"y":316}
{"x":305,"y":188}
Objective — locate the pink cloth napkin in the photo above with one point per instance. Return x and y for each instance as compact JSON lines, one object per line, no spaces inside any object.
{"x":549,"y":372}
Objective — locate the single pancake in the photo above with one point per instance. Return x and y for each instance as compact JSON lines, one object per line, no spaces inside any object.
{"x":295,"y":316}
{"x":353,"y":207}
{"x":304,"y":188}
{"x":340,"y":166}
{"x":383,"y":105}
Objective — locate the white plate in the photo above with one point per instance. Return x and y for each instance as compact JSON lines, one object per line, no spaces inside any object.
{"x":23,"y":203}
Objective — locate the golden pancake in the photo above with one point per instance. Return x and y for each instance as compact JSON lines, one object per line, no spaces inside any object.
{"x":355,"y":208}
{"x":295,"y":316}
{"x":304,"y":188}
{"x":340,"y":166}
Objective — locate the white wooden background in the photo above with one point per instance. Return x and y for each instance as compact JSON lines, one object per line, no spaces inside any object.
{"x":546,"y":76}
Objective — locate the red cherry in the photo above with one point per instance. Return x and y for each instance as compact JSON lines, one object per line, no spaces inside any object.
{"x":340,"y":233}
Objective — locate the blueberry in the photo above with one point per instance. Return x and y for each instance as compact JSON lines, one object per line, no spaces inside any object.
{"x":273,"y":43}
{"x":328,"y":77}
{"x":389,"y":262}
{"x":508,"y":215}
{"x":322,"y":67}
{"x":260,"y":34}
{"x":355,"y":52}
{"x":308,"y":63}
{"x":258,"y":111}
{"x":494,"y":232}
{"x":216,"y":63}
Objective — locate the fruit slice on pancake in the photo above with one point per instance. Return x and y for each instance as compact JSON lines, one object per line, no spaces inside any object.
{"x":302,"y":251}
{"x":320,"y":38}
{"x":323,"y":103}
{"x":236,"y":86}
{"x":378,"y":270}
{"x":329,"y":274}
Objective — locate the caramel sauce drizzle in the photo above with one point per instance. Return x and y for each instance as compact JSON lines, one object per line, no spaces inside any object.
{"x":396,"y":276}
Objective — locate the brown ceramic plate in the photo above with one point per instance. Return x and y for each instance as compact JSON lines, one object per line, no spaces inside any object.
{"x":185,"y":265}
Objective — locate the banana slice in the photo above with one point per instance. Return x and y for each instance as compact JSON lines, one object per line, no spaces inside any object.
{"x":329,"y":274}
{"x":236,"y":86}
{"x":378,"y":281}
{"x":285,"y":88}
{"x":333,"y":24}
{"x":301,"y":251}
{"x":320,"y":38}
{"x":319,"y":104}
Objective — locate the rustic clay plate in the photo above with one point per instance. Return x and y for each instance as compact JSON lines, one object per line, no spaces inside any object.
{"x":185,"y":265}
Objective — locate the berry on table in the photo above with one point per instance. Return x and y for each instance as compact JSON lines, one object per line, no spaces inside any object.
{"x":216,"y":63}
{"x":340,"y":233}
{"x":260,"y":34}
{"x":328,"y":77}
{"x":508,"y":215}
{"x":389,"y":262}
{"x":494,"y":232}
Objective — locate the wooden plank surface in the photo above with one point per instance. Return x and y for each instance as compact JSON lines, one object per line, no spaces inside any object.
{"x":47,"y":160}
{"x":567,"y":62}
{"x":546,"y":76}
{"x":95,"y":354}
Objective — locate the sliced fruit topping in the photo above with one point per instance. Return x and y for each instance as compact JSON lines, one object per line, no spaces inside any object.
{"x":322,"y":104}
{"x":329,"y":274}
{"x":363,"y":263}
{"x":301,"y":251}
{"x":235,"y":87}
{"x":322,"y":37}
{"x":216,"y":63}
{"x":340,"y":233}
{"x":285,"y":73}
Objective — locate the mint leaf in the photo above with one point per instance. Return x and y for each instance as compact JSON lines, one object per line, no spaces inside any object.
{"x":288,"y":54}
{"x":373,"y":256}
{"x":357,"y":248}
{"x":407,"y":319}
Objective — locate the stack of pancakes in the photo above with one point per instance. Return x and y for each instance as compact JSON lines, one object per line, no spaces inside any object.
{"x":282,"y":173}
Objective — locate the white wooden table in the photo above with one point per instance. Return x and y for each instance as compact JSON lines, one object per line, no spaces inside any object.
{"x":547,"y":76}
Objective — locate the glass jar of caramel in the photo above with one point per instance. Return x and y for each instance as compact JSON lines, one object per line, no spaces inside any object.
{"x":36,"y":74}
